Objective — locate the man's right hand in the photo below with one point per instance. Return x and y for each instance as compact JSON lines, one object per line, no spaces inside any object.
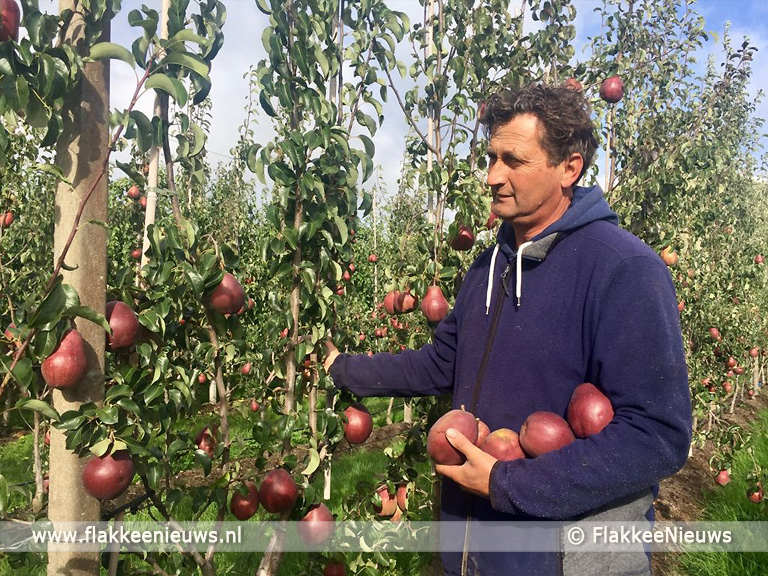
{"x":331,"y":353}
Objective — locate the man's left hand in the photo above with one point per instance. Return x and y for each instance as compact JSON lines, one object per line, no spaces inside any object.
{"x":474,"y":475}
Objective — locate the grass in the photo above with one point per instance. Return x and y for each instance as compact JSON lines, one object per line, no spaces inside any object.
{"x":350,"y":469}
{"x":729,"y":504}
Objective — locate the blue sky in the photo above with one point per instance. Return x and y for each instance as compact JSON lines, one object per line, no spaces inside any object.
{"x":242,"y":48}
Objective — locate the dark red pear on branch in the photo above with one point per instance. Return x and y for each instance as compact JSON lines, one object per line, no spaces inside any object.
{"x":10,"y":18}
{"x":228,"y":297}
{"x":434,"y":306}
{"x":317,"y":525}
{"x":123,"y":323}
{"x":245,"y":506}
{"x":612,"y":89}
{"x":359,"y":424}
{"x":107,"y":477}
{"x":464,"y":239}
{"x":67,"y":365}
{"x":278,"y":492}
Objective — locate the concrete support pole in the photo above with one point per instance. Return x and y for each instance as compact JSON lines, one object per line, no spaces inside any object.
{"x":80,"y":153}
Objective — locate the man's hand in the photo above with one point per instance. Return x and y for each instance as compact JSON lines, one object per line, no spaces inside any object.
{"x":330,"y":355}
{"x":475,"y":474}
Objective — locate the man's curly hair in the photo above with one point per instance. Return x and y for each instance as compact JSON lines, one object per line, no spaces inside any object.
{"x":563,"y":114}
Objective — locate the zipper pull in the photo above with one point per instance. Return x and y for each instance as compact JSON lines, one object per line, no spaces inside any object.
{"x":505,"y":280}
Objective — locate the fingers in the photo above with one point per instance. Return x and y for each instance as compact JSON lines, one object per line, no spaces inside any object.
{"x":330,"y":346}
{"x":331,"y":353}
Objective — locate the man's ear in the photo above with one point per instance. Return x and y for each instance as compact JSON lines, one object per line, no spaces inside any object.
{"x":572,"y":167}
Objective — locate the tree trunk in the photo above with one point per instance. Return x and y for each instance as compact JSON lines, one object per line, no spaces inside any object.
{"x":80,"y":154}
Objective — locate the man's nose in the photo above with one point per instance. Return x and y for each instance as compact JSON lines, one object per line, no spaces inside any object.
{"x":495,"y":176}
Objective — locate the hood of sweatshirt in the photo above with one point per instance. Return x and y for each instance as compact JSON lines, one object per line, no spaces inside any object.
{"x":587,"y":205}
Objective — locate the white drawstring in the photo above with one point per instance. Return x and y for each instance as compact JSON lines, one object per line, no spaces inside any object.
{"x":519,"y":279}
{"x":490,"y":280}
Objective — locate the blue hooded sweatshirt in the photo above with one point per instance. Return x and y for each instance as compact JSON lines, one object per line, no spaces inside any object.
{"x":584,"y":301}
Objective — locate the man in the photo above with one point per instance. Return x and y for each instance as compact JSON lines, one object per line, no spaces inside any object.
{"x":565,"y":297}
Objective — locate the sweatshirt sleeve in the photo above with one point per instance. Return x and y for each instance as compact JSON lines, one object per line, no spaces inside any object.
{"x":424,"y":372}
{"x":637,"y":359}
{"x":428,"y":371}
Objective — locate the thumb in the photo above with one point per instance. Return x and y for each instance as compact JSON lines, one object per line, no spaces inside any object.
{"x":459,"y":441}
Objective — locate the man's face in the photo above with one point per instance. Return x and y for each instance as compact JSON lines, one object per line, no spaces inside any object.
{"x":526,"y":189}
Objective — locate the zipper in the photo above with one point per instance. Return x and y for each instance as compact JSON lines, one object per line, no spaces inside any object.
{"x":476,"y":395}
{"x":489,"y":342}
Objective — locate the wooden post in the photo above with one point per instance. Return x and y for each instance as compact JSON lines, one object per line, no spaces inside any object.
{"x":80,"y":153}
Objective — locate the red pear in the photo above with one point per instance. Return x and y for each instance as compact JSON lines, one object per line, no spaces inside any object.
{"x":482,"y":432}
{"x":544,"y":431}
{"x":434,"y":306}
{"x":438,"y":446}
{"x":401,"y":495}
{"x":67,"y":365}
{"x":388,"y":502}
{"x":389,"y":301}
{"x":123,"y":323}
{"x":359,"y":424}
{"x":589,"y":410}
{"x":755,"y":495}
{"x":723,"y":477}
{"x":612,"y":89}
{"x":405,"y":302}
{"x":278,"y":492}
{"x":503,"y":444}
{"x":245,"y":506}
{"x":334,"y":569}
{"x":317,"y":525}
{"x":228,"y":297}
{"x":10,"y":18}
{"x":464,"y":239}
{"x":107,"y":477}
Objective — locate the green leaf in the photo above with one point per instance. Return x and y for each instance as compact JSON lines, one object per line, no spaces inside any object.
{"x":108,"y":415}
{"x":314,"y":463}
{"x":252,"y":159}
{"x":38,"y":406}
{"x":199,"y":135}
{"x":203,"y":459}
{"x":23,"y":374}
{"x":3,"y":495}
{"x":88,"y":314}
{"x":264,"y":101}
{"x":342,"y":226}
{"x":102,"y":447}
{"x":186,"y":35}
{"x":51,"y":308}
{"x":370,"y":149}
{"x":109,"y":50}
{"x":186,"y":60}
{"x":169,"y":85}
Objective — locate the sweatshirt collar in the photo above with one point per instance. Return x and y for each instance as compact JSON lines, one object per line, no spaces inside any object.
{"x":587,"y":205}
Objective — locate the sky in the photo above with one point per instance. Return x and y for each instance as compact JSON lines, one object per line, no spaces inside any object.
{"x":242,"y":48}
